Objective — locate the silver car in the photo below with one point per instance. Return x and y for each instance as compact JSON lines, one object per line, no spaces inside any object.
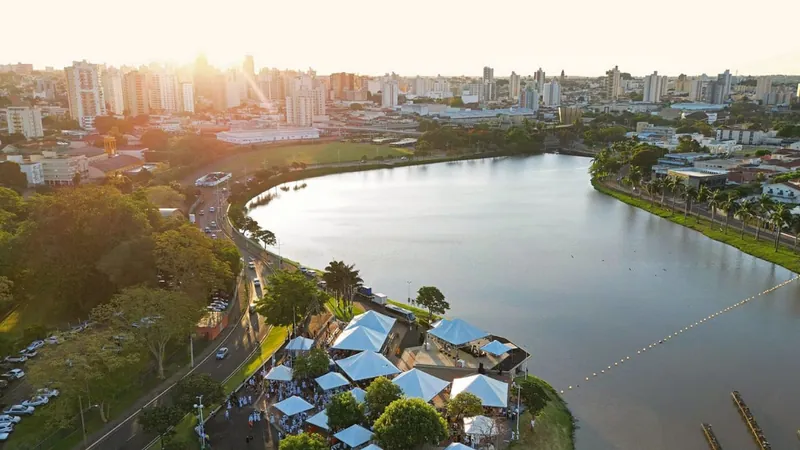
{"x":5,"y":418}
{"x":19,"y":410}
{"x":39,"y":400}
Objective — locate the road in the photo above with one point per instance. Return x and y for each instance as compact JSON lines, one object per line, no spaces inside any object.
{"x":242,"y":336}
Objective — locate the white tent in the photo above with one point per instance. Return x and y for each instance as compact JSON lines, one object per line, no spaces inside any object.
{"x":418,"y":384}
{"x":496,"y":348}
{"x":360,"y":339}
{"x":293,"y":405}
{"x":480,"y":425}
{"x":359,"y":394}
{"x":457,"y":446}
{"x":374,"y":321}
{"x":366,"y":365}
{"x":457,"y":332}
{"x":492,"y":392}
{"x":372,"y":447}
{"x":279,"y":373}
{"x":320,"y":420}
{"x":300,"y":343}
{"x":354,"y":435}
{"x":331,"y":380}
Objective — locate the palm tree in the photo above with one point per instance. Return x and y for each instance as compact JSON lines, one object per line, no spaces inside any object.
{"x":703,"y":194}
{"x":794,"y":224}
{"x":635,"y":177}
{"x":660,"y":188}
{"x":673,"y":184}
{"x":764,"y":205}
{"x":728,"y":205}
{"x":778,"y":219}
{"x":745,"y":211}
{"x":717,"y":197}
{"x":689,"y":194}
{"x":343,"y":279}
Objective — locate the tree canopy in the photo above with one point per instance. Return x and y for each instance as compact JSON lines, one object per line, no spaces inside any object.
{"x":11,"y":176}
{"x":288,"y":298}
{"x":409,"y":423}
{"x":303,"y":441}
{"x":312,"y":365}
{"x":344,"y":411}
{"x":185,"y":392}
{"x":160,"y":419}
{"x":155,"y":139}
{"x":432,"y":299}
{"x":164,"y":196}
{"x":380,"y":394}
{"x":465,"y":404}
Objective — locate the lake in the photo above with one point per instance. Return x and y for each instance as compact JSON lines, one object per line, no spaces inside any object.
{"x":527,"y":249}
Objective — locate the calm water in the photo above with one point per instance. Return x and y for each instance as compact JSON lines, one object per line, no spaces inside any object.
{"x":527,"y":249}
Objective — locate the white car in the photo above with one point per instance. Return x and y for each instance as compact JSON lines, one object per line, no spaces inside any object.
{"x":16,"y":359}
{"x":28,"y":353}
{"x":5,"y":418}
{"x":4,"y":436}
{"x":251,"y":265}
{"x":211,"y":209}
{"x":7,"y":427}
{"x":19,"y":410}
{"x":52,"y":340}
{"x":14,"y":374}
{"x":35,"y":345}
{"x":45,"y":392}
{"x":39,"y":400}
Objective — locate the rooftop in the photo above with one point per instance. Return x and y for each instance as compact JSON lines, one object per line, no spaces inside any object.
{"x":115,"y":163}
{"x":695,"y":173}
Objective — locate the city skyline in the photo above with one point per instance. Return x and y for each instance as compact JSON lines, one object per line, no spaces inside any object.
{"x":276,"y":40}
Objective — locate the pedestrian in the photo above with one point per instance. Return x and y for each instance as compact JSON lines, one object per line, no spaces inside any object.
{"x":227,"y":414}
{"x":250,"y":399}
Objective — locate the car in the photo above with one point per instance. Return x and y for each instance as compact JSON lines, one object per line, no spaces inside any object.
{"x":257,"y":282}
{"x":404,"y":158}
{"x":220,"y":303}
{"x":46,"y":392}
{"x":4,"y":436}
{"x":214,"y":223}
{"x":222,"y":353}
{"x":14,"y":374}
{"x":19,"y":410}
{"x":213,"y":236}
{"x":213,"y":309}
{"x":7,"y":427}
{"x":16,"y":359}
{"x":207,"y":230}
{"x":39,"y":400}
{"x":212,"y":209}
{"x":251,"y":265}
{"x":35,"y":345}
{"x":52,"y":340}
{"x":202,"y":212}
{"x":29,"y":353}
{"x":5,"y":418}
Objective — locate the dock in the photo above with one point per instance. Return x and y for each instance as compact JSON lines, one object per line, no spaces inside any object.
{"x":758,"y":434}
{"x":713,"y":444}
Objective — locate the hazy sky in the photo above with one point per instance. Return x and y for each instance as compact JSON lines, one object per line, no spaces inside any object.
{"x":583,"y":37}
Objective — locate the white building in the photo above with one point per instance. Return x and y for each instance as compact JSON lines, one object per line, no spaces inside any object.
{"x":234,"y":83}
{"x":744,"y":137}
{"x":513,"y":86}
{"x":25,"y":120}
{"x":652,"y":88}
{"x":551,"y":96}
{"x":85,"y":93}
{"x":164,"y":92}
{"x":187,"y":97}
{"x":303,"y":105}
{"x":61,"y":170}
{"x":389,"y":93}
{"x":489,"y":84}
{"x":271,"y":135}
{"x":32,"y":170}
{"x":763,"y":88}
{"x":782,"y":192}
{"x":613,"y":84}
{"x":113,"y":90}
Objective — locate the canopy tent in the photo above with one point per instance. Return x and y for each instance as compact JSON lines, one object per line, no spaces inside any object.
{"x":457,"y":332}
{"x":354,"y":435}
{"x":359,"y":394}
{"x":320,"y":420}
{"x":418,"y":384}
{"x":458,"y":446}
{"x":300,"y":343}
{"x":360,"y":339}
{"x":372,"y":320}
{"x":279,"y":373}
{"x":293,"y":405}
{"x":366,"y":365}
{"x":492,"y":392}
{"x":372,"y":447}
{"x":331,"y":380}
{"x":496,"y":348}
{"x":480,"y":425}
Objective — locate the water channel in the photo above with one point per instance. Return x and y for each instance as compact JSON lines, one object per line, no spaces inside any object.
{"x":525,"y":248}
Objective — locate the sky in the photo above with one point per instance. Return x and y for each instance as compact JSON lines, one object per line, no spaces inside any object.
{"x":414,"y":37}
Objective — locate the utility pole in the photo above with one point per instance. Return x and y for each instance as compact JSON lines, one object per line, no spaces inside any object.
{"x":191,"y":351}
{"x":83,"y":423}
{"x":199,"y":407}
{"x":409,"y":291}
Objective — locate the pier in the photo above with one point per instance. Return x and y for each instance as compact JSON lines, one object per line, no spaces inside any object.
{"x":713,"y":444}
{"x":761,"y":440}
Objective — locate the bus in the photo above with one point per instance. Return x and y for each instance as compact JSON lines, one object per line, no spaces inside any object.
{"x":404,"y":313}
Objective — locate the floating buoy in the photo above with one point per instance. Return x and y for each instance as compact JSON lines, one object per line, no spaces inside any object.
{"x":570,"y":387}
{"x":602,"y":371}
{"x":616,"y":364}
{"x":638,"y":352}
{"x":594,"y":374}
{"x":562,"y":392}
{"x":587,"y":378}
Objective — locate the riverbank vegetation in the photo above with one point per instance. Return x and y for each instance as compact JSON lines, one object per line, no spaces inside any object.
{"x":554,"y":427}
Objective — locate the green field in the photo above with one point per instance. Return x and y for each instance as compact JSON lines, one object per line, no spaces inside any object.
{"x":268,"y":156}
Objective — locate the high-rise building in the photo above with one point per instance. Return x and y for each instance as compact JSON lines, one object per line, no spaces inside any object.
{"x":341,"y":82}
{"x":724,"y":79}
{"x":249,"y":74}
{"x":763,"y":88}
{"x":489,"y":85}
{"x":683,"y":84}
{"x":420,"y":86}
{"x":652,"y":88}
{"x":113,"y":91}
{"x":538,"y":77}
{"x":25,"y":120}
{"x":664,"y":85}
{"x":562,"y":78}
{"x":613,"y":84}
{"x":187,"y":97}
{"x":303,"y":105}
{"x":136,"y":94}
{"x":529,"y":98}
{"x":270,"y":85}
{"x":513,"y":86}
{"x":234,"y":85}
{"x":390,"y":91}
{"x":551,"y":96}
{"x":85,"y":93}
{"x":164,"y":92}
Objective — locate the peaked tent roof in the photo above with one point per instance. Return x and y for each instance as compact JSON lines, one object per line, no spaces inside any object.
{"x":492,"y":392}
{"x":366,"y":365}
{"x":496,"y":348}
{"x":331,"y":380}
{"x":373,"y":320}
{"x":293,"y":405}
{"x":319,"y":419}
{"x":360,"y":338}
{"x":480,"y":425}
{"x":359,"y":394}
{"x":300,"y":343}
{"x":457,"y":446}
{"x":279,"y":373}
{"x":354,"y":435}
{"x":372,"y":447}
{"x":418,"y":384}
{"x":457,"y":332}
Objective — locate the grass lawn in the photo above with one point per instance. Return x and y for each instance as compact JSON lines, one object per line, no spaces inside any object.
{"x":554,"y":429}
{"x":763,"y":248}
{"x":419,"y":312}
{"x":310,"y":154}
{"x":342,"y":314}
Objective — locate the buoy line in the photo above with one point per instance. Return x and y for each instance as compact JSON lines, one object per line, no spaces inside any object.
{"x":664,"y":340}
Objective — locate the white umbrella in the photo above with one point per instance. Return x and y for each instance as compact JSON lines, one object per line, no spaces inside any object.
{"x":418,"y":384}
{"x":320,"y":420}
{"x":366,"y":365}
{"x":372,"y":320}
{"x":360,"y":339}
{"x":492,"y":392}
{"x":331,"y":380}
{"x":359,"y":394}
{"x":279,"y":373}
{"x":354,"y":436}
{"x":300,"y":343}
{"x":293,"y":405}
{"x":480,"y":425}
{"x":496,"y":348}
{"x":457,"y":332}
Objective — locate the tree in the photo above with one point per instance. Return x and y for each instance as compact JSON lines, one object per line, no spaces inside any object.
{"x":463,"y":405}
{"x":534,"y":395}
{"x":356,"y":106}
{"x":303,"y":441}
{"x":164,"y":197}
{"x":674,"y":185}
{"x":344,"y":411}
{"x":380,"y":394}
{"x":160,"y":419}
{"x":778,"y":217}
{"x":688,"y":145}
{"x":729,"y":204}
{"x":154,"y":317}
{"x":764,"y":204}
{"x":187,"y":255}
{"x":289,"y":297}
{"x":312,"y":365}
{"x":409,"y":423}
{"x":155,"y":139}
{"x":715,"y":202}
{"x":6,"y":296}
{"x":185,"y":392}
{"x":11,"y":176}
{"x":343,"y":280}
{"x":432,"y":299}
{"x":746,"y":211}
{"x":689,"y":194}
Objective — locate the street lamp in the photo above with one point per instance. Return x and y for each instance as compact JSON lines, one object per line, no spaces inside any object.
{"x":202,"y":432}
{"x":519,"y":394}
{"x":83,"y":423}
{"x":409,"y":291}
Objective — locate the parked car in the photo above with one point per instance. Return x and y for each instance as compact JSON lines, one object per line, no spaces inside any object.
{"x":16,"y":359}
{"x":7,"y":427}
{"x":213,"y":236}
{"x":14,"y":374}
{"x":39,"y":400}
{"x":35,"y":345}
{"x":4,"y":436}
{"x":19,"y":410}
{"x":5,"y":418}
{"x":52,"y":340}
{"x":222,"y":353}
{"x":29,"y":353}
{"x":207,"y":230}
{"x":46,"y":392}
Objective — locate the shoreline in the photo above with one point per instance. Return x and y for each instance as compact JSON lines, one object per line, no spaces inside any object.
{"x":761,"y":249}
